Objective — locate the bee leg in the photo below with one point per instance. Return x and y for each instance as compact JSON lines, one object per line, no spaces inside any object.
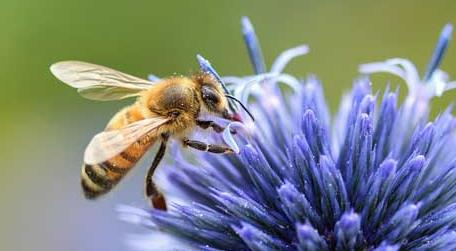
{"x":156,"y":197}
{"x":205,"y":124}
{"x":199,"y":145}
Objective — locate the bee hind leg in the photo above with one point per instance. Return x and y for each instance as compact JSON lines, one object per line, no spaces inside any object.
{"x":199,"y":145}
{"x":156,"y":197}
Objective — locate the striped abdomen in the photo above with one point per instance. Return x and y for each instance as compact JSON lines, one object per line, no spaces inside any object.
{"x":99,"y":179}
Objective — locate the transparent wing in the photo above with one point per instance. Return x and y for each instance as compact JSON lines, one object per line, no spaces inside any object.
{"x":109,"y":144}
{"x":97,"y":82}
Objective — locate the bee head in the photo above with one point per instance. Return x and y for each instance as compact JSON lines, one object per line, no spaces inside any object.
{"x":212,"y":94}
{"x":210,"y":77}
{"x":214,"y":98}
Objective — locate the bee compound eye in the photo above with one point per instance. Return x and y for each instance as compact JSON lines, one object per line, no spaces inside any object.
{"x":210,"y":95}
{"x":174,"y":114}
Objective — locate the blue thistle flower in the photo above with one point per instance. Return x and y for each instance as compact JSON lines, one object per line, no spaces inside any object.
{"x":379,"y":176}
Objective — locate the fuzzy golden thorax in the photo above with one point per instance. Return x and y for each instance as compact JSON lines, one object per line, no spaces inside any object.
{"x":183,"y":98}
{"x":175,"y":98}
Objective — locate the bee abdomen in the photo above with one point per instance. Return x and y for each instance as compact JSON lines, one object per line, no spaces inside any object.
{"x":97,"y":180}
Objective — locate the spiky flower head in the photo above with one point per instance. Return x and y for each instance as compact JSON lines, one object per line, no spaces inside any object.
{"x":378,"y":176}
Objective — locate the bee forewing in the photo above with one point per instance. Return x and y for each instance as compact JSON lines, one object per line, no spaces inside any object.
{"x":109,"y":144}
{"x":98,"y":82}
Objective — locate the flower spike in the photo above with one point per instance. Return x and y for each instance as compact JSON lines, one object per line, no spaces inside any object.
{"x":380,"y":177}
{"x":439,"y":51}
{"x":253,"y":46}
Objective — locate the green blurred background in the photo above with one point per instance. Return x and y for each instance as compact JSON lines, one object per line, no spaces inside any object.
{"x":45,"y":125}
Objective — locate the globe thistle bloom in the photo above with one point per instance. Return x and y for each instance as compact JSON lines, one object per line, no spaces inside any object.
{"x":377,"y":176}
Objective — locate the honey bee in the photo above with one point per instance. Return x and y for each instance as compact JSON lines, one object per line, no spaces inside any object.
{"x":167,"y":108}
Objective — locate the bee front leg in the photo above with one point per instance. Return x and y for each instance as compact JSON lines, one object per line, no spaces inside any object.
{"x":205,"y":124}
{"x":156,"y":197}
{"x":199,"y":145}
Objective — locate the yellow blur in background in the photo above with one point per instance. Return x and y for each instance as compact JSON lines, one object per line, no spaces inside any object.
{"x":45,"y":125}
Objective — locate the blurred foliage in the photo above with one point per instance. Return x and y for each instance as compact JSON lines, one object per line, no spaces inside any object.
{"x":45,"y":125}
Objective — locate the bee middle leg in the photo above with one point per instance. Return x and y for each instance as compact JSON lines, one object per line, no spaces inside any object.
{"x":199,"y":145}
{"x":205,"y":124}
{"x":156,"y":197}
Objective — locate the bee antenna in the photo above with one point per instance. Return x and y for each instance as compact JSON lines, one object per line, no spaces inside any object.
{"x":242,"y":105}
